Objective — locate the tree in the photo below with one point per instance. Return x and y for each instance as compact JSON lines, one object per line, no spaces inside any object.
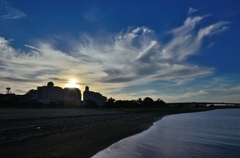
{"x":148,"y":102}
{"x":111,"y":103}
{"x":139,"y":102}
{"x":111,"y":100}
{"x":160,"y":103}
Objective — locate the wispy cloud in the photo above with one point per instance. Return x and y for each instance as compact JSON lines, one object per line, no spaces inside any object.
{"x":9,"y":12}
{"x":211,"y":45}
{"x":192,"y":10}
{"x":209,"y":89}
{"x":132,"y":57}
{"x":193,"y":96}
{"x":94,"y":14}
{"x":225,"y":93}
{"x":213,"y":29}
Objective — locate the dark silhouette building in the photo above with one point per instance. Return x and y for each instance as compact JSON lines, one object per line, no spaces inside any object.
{"x":94,"y":96}
{"x":51,"y":93}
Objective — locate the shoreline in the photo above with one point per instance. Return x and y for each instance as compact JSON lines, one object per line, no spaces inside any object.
{"x":86,"y":141}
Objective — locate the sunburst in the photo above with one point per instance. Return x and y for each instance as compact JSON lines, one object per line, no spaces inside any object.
{"x":72,"y":83}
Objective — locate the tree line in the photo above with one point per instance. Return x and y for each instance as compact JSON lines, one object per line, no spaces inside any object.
{"x":147,"y":102}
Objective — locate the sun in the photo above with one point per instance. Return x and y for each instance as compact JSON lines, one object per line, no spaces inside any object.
{"x":72,"y":83}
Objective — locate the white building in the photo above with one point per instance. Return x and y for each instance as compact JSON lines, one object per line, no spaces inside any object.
{"x":51,"y":93}
{"x":94,"y":96}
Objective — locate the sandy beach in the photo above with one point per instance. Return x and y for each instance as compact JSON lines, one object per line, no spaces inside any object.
{"x":76,"y":136}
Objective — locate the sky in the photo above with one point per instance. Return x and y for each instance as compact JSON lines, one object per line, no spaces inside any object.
{"x":173,"y":50}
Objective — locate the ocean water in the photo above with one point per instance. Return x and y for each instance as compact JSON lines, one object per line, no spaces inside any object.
{"x":211,"y":134}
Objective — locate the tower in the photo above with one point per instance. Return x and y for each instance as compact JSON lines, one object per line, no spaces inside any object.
{"x":87,"y":89}
{"x":8,"y":90}
{"x":50,"y":84}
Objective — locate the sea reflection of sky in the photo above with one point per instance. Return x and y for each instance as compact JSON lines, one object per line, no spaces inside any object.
{"x":204,"y":134}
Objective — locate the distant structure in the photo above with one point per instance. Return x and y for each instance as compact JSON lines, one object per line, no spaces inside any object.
{"x":54,"y":95}
{"x":50,"y":84}
{"x":51,"y":93}
{"x":8,"y":90}
{"x":94,"y":96}
{"x":73,"y":94}
{"x":32,"y":95}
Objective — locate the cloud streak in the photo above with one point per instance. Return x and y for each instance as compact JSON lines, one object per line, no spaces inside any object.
{"x":132,"y":57}
{"x":192,"y":10}
{"x":9,"y":12}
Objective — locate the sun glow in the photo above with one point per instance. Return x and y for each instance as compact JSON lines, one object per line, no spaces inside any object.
{"x":72,"y":83}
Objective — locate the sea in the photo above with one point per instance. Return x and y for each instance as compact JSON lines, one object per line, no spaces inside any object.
{"x":211,"y":134}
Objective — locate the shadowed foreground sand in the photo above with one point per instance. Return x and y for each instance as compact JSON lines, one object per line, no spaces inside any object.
{"x":82,"y":142}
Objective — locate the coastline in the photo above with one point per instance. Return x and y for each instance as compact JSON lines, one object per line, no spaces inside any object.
{"x":86,"y":141}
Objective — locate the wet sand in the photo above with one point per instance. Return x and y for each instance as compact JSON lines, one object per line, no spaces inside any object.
{"x":82,"y":141}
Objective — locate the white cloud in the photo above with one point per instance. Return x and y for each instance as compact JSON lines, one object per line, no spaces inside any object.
{"x":212,"y":29}
{"x":193,"y":96}
{"x":131,"y":57}
{"x":187,"y":41}
{"x":211,"y":45}
{"x":9,"y":12}
{"x":224,"y":93}
{"x":183,"y":81}
{"x":192,"y":10}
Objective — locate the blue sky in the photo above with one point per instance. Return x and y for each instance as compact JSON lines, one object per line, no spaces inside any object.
{"x":174,"y":50}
